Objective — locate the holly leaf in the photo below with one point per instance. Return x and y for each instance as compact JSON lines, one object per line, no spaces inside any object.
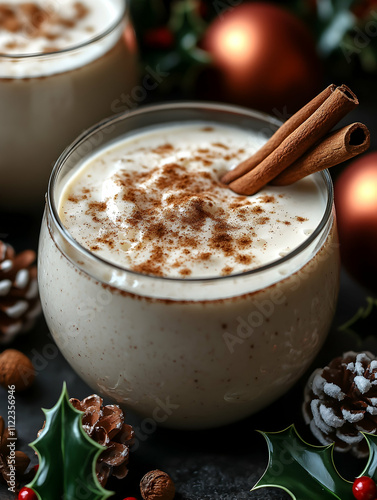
{"x":371,"y":466}
{"x":67,"y":456}
{"x":304,"y":471}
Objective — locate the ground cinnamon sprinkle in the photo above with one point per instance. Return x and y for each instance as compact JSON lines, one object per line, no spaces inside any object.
{"x":97,"y":206}
{"x":226,"y":270}
{"x":77,"y":198}
{"x":185,"y":272}
{"x":163,"y":149}
{"x":219,"y":145}
{"x":175,"y":217}
{"x":244,"y":242}
{"x":81,"y":10}
{"x":267,"y":199}
{"x":222,"y":241}
{"x":108,"y":239}
{"x":204,"y":256}
{"x":37,"y":21}
{"x":153,"y":265}
{"x":243,"y":259}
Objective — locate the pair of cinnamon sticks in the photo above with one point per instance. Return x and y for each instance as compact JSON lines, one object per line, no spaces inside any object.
{"x":303,"y":144}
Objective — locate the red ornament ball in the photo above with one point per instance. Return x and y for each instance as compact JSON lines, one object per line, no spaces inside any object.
{"x":356,"y":207}
{"x":263,"y":56}
{"x":364,"y":488}
{"x":27,"y":494}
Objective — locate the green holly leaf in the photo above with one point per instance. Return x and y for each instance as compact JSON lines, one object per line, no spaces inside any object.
{"x":305,"y":472}
{"x":371,"y":466}
{"x":67,"y":457}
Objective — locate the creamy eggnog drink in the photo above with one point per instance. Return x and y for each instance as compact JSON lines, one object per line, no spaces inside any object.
{"x":167,"y":291}
{"x":62,"y":65}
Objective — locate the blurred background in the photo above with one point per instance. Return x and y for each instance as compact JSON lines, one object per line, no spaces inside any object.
{"x":267,"y":55}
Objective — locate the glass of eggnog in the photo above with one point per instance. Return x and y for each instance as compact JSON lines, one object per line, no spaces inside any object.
{"x":168,"y":292}
{"x":63,"y":63}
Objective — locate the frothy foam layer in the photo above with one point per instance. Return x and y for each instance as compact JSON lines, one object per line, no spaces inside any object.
{"x":153,"y":203}
{"x":43,"y":27}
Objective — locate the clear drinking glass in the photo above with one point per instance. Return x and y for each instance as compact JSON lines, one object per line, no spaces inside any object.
{"x":48,"y":99}
{"x":187,"y":353}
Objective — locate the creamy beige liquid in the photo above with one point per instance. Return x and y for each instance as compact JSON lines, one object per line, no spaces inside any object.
{"x":153,"y":203}
{"x":186,"y":353}
{"x":51,"y":91}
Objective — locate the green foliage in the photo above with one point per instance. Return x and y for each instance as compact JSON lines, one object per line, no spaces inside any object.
{"x":345,"y":33}
{"x":363,"y":323}
{"x":308,"y":472}
{"x":183,"y":59}
{"x":67,"y":457}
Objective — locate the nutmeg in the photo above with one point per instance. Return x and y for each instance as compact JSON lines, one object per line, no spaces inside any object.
{"x":157,"y":485}
{"x":16,"y":369}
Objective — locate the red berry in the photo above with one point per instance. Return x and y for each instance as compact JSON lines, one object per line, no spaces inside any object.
{"x":159,"y":38}
{"x":27,"y":494}
{"x":35,"y":468}
{"x":364,"y":488}
{"x":130,"y":498}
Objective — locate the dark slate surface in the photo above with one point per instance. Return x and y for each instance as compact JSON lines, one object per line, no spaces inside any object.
{"x":221,"y":464}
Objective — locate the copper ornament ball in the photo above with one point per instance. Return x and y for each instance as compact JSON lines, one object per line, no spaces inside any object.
{"x":263,"y":57}
{"x":356,"y":206}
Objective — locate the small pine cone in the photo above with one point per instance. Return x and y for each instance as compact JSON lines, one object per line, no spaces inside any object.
{"x":341,"y":400}
{"x":19,"y":300}
{"x":105,"y":424}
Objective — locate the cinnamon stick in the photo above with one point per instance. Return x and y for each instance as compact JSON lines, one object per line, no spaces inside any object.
{"x":339,"y":146}
{"x":340,"y":102}
{"x":282,"y":133}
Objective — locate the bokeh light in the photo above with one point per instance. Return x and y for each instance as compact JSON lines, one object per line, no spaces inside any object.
{"x":236,"y":43}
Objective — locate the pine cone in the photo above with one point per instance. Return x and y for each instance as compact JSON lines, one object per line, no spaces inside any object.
{"x":341,"y":400}
{"x":19,"y":301}
{"x":105,"y":424}
{"x":21,"y":460}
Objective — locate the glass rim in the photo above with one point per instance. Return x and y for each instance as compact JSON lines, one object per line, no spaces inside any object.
{"x":214,"y":106}
{"x":44,"y":55}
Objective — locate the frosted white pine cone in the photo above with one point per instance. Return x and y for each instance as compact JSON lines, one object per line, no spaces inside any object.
{"x":341,"y":400}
